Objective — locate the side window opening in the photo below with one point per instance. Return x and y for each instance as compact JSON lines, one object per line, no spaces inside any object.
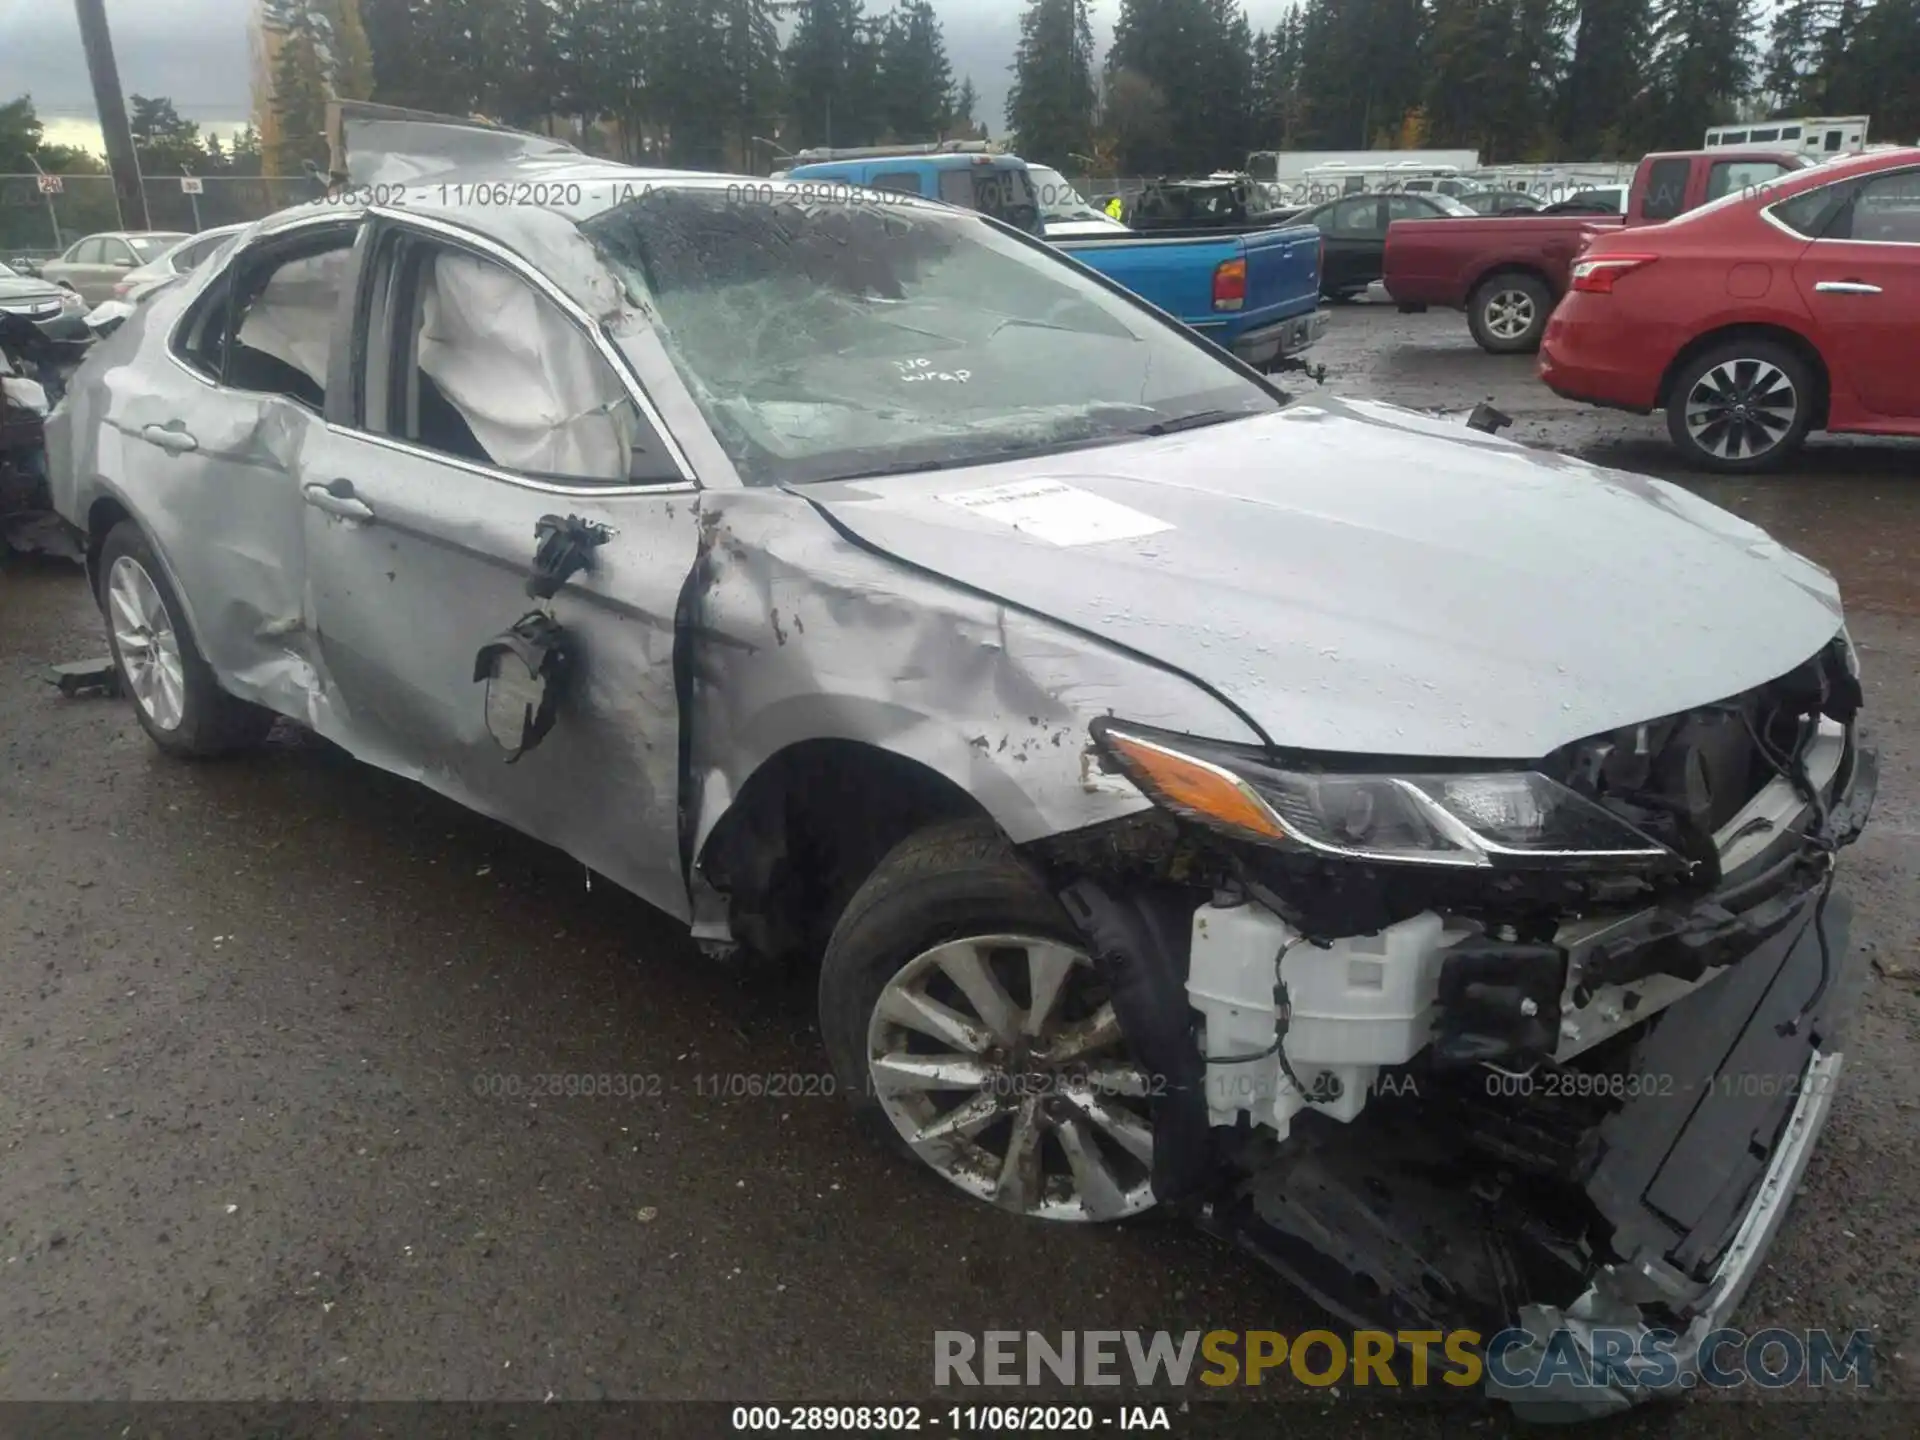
{"x":1666,"y":193}
{"x":956,"y":187}
{"x":1726,"y":176}
{"x":283,"y":308}
{"x":485,"y":368}
{"x":200,"y":341}
{"x":901,"y":182}
{"x":1885,"y":210}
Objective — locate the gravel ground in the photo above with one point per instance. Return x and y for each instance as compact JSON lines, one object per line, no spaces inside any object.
{"x":249,"y":1014}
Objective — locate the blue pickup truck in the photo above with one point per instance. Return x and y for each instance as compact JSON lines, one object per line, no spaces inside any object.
{"x":1253,"y":290}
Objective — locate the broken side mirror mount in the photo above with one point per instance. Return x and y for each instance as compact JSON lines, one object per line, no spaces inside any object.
{"x":525,"y":670}
{"x":562,"y":548}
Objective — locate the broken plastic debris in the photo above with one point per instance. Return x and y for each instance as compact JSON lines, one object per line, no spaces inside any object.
{"x":85,"y":677}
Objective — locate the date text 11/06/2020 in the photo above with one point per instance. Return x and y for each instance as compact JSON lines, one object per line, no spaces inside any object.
{"x":599,"y":195}
{"x":963,"y":1419}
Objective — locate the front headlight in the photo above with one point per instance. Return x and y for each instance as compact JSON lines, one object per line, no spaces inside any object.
{"x":70,"y":301}
{"x":1499,"y":817}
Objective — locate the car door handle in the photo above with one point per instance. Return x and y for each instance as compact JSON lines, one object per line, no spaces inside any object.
{"x":174,"y":442}
{"x":336,"y":497}
{"x":1846,"y":287}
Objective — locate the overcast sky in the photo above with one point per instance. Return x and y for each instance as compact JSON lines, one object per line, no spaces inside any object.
{"x":195,"y":52}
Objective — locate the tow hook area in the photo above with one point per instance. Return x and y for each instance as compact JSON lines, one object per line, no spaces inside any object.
{"x":1500,"y":1003}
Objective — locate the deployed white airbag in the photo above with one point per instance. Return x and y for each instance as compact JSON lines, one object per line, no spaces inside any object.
{"x":530,"y":386}
{"x":292,"y":318}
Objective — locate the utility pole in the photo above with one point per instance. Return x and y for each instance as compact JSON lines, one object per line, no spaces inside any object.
{"x":112,"y":105}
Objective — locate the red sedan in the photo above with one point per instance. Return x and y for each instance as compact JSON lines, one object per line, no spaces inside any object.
{"x":1784,"y":307}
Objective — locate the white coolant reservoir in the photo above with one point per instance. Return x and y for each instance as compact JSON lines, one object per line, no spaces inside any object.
{"x":1364,"y":1002}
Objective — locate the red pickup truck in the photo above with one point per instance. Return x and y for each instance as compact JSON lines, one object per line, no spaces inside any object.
{"x":1509,"y":271}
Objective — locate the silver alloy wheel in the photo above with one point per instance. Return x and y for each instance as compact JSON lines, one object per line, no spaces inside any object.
{"x":1509,"y":314}
{"x":999,"y":1059}
{"x":1741,"y":408}
{"x":149,"y":649}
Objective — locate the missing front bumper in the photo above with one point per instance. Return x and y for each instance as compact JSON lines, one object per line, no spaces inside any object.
{"x":1393,"y":1223}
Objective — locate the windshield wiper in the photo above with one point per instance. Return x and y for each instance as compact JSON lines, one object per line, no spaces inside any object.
{"x":1198,"y":420}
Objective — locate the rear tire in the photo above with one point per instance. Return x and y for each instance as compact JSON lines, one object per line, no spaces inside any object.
{"x":174,"y":694}
{"x":1508,"y":313}
{"x":954,"y":955}
{"x":1741,"y":406}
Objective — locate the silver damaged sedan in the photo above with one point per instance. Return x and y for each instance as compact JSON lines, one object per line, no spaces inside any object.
{"x":1410,"y":855}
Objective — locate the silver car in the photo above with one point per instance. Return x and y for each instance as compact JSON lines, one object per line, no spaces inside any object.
{"x":93,"y":266}
{"x":1406,"y":853}
{"x":172,"y":263}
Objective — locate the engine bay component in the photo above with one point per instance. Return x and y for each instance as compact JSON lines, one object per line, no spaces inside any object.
{"x":1291,"y":1024}
{"x":1501,"y":1001}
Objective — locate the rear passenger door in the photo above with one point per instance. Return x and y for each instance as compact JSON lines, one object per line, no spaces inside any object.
{"x":217,"y":437}
{"x":481,"y":401}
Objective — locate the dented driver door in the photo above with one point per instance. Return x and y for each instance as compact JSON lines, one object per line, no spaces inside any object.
{"x":482,"y":404}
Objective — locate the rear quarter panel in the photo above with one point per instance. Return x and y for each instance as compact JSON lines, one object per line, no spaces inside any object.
{"x":1283,"y":273}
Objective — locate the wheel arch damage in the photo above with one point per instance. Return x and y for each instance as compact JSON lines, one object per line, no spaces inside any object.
{"x":831,"y":694}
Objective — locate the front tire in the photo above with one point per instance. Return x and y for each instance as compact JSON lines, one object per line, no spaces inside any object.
{"x":175,"y":696}
{"x":1740,"y":407}
{"x":966,"y":1021}
{"x":1508,"y":313}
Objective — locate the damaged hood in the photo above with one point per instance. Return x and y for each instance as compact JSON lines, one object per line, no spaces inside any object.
{"x":1360,"y":578}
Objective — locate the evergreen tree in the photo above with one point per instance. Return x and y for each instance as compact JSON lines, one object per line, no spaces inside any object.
{"x":1279,"y":100}
{"x":1362,"y":70}
{"x":916,"y":80}
{"x":1880,"y":76}
{"x":1051,"y":104}
{"x":833,"y":75}
{"x":1601,"y":100}
{"x":1702,"y":66}
{"x":163,"y":141}
{"x":964,"y":123}
{"x":300,"y":100}
{"x":1227,"y":114}
{"x":1196,"y":55}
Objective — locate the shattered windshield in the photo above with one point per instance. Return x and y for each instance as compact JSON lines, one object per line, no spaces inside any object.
{"x":855,"y":336}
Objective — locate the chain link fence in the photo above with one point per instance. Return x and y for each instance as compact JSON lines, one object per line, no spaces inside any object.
{"x":37,"y":225}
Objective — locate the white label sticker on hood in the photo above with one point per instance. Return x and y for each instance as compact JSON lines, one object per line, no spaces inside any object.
{"x":1057,"y":513}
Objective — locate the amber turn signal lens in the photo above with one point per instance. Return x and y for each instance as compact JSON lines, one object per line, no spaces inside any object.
{"x":1194,"y":786}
